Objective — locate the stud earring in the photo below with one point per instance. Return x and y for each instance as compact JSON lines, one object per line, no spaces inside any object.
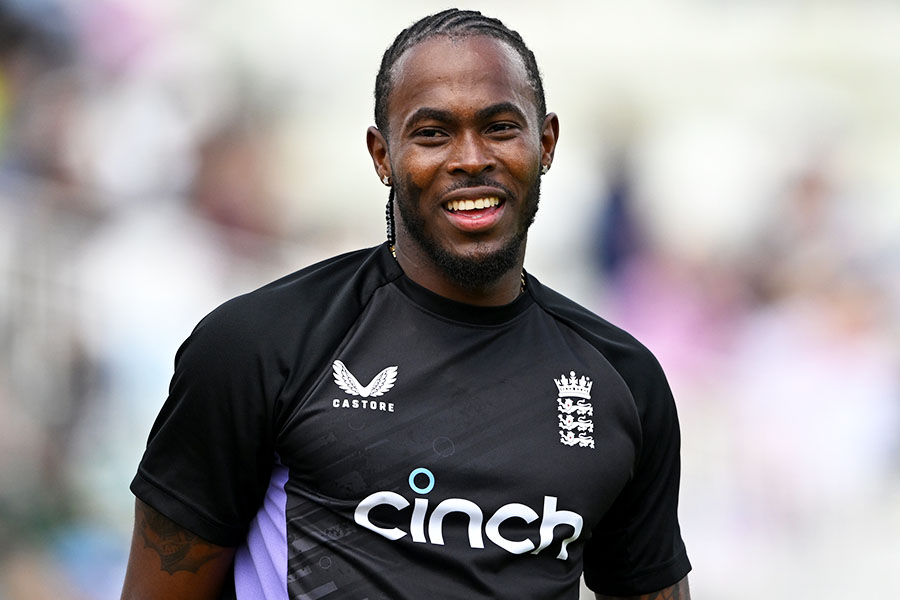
{"x":544,"y":169}
{"x":386,"y":180}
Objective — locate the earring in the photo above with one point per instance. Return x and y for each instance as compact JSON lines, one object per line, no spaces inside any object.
{"x":386,"y":180}
{"x":544,"y":169}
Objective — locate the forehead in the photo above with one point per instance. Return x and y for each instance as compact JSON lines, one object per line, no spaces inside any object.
{"x":458,"y":74}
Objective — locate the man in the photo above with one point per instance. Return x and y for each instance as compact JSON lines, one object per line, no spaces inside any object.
{"x":421,"y":419}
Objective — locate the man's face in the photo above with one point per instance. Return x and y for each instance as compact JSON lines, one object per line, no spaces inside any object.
{"x":465,"y":151}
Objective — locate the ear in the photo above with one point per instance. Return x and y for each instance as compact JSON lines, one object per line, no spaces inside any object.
{"x":549,"y":137}
{"x":378,"y":150}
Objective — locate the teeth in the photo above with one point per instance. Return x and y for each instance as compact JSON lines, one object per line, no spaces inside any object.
{"x":455,"y":205}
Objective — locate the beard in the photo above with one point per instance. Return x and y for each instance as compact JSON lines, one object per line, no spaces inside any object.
{"x":481,"y":268}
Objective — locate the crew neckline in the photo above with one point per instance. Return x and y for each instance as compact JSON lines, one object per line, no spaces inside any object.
{"x":460,"y":311}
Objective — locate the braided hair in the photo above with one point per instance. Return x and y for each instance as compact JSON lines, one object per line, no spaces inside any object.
{"x":452,"y":23}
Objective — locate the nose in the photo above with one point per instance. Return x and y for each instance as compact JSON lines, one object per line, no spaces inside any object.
{"x":471,"y":155}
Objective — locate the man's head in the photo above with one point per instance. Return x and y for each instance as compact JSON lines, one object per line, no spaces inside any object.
{"x":463,"y":136}
{"x":456,"y":24}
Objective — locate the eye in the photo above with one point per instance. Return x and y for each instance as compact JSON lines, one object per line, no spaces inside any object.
{"x":502,"y":127}
{"x":430,"y":132}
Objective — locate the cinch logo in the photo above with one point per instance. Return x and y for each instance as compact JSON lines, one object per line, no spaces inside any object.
{"x":550,"y":519}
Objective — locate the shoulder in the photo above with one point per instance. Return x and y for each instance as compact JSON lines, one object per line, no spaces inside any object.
{"x":251,"y":345}
{"x":288,"y":326}
{"x":327,"y":293}
{"x":634,"y":362}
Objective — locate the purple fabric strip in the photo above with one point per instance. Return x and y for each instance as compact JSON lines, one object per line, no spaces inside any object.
{"x":260,"y":565}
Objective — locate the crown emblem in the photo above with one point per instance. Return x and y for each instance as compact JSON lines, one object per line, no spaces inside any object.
{"x":574,"y":387}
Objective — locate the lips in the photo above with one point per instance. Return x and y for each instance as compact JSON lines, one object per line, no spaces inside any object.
{"x":475,"y":209}
{"x":474,"y":215}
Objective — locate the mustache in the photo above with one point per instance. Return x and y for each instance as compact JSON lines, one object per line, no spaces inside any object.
{"x":479,"y":181}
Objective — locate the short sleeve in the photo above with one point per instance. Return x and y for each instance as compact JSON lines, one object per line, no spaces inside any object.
{"x":637,"y":547}
{"x":210,"y":452}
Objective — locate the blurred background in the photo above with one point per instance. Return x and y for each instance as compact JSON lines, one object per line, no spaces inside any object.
{"x":726,"y":187}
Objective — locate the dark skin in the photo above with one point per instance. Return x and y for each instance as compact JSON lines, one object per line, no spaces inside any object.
{"x":449,"y":121}
{"x":169,"y":562}
{"x":679,"y":591}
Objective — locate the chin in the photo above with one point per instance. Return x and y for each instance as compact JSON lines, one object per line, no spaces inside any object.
{"x":481,"y":267}
{"x":471,"y":266}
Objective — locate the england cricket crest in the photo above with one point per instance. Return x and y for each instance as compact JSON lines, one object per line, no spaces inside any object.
{"x":576,"y":426}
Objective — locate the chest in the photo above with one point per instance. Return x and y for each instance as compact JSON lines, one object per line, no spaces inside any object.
{"x":427,"y":410}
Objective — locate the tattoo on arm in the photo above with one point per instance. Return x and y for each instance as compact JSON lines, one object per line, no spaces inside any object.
{"x":672,"y":593}
{"x":178,"y":549}
{"x":679,"y":591}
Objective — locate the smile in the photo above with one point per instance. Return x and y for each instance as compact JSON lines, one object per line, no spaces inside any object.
{"x":477,"y":204}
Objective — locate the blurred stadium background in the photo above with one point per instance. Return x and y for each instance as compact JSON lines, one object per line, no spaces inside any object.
{"x":726,"y":186}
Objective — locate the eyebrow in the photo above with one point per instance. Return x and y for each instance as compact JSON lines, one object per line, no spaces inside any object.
{"x":499,"y":108}
{"x":430,"y":114}
{"x":427,"y":113}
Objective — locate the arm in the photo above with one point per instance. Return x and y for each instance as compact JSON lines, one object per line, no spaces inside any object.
{"x":167,"y":562}
{"x":679,"y":591}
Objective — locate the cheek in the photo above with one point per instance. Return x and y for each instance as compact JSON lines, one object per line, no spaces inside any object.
{"x":523,"y":159}
{"x":419,"y":170}
{"x":526,"y":169}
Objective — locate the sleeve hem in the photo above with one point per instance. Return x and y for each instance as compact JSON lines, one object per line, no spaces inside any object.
{"x":163,"y":501}
{"x":645,"y":581}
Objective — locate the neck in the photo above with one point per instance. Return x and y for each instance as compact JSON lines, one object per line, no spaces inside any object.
{"x":421,"y":269}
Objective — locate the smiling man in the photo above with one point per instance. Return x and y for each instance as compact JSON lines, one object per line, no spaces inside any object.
{"x":422,"y":419}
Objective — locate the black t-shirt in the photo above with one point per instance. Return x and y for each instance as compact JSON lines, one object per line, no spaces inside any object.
{"x":360,"y":437}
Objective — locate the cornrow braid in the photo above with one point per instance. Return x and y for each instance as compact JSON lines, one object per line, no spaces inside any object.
{"x":389,"y":217}
{"x":453,"y":23}
{"x":457,"y":24}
